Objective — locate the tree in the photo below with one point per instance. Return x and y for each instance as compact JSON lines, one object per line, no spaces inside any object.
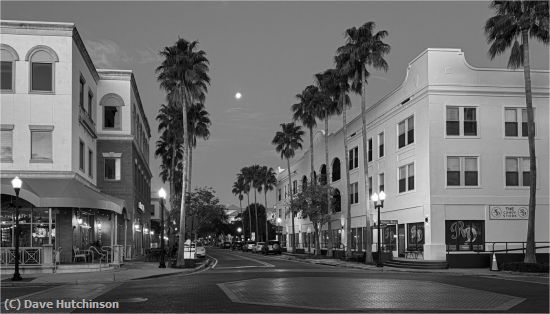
{"x":306,"y":111}
{"x":183,"y":73}
{"x":338,"y":78}
{"x":328,"y":99}
{"x":286,"y":143}
{"x":259,"y":214}
{"x":515,"y":22}
{"x":363,"y":48}
{"x":255,"y":172}
{"x":268,"y":181}
{"x":198,"y":124}
{"x":239,"y":187}
{"x":205,"y":209}
{"x":247,"y":176}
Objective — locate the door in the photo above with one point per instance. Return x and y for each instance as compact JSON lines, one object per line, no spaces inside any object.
{"x":401,"y":239}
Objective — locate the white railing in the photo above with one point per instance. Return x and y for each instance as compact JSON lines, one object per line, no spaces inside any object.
{"x":27,"y":256}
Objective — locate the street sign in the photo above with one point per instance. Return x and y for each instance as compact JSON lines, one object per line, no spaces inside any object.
{"x":388,"y":222}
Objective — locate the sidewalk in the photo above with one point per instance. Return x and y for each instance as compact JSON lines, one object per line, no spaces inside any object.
{"x":449,"y":271}
{"x":128,"y":271}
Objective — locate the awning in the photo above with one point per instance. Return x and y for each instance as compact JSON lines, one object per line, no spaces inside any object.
{"x":63,"y":193}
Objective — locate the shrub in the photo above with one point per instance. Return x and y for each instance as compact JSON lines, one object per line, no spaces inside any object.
{"x":526,"y":267}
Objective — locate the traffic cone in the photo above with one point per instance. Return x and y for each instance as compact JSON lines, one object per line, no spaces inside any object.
{"x":494,"y":265}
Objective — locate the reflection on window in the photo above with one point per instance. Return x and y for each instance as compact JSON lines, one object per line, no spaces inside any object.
{"x":41,"y":145}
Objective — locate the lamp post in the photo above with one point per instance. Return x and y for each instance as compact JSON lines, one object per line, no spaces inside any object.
{"x":375,"y":198}
{"x":162,"y":195}
{"x":279,"y":220}
{"x":16,"y":184}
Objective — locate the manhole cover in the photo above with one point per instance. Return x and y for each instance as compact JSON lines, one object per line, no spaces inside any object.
{"x":133,"y":300}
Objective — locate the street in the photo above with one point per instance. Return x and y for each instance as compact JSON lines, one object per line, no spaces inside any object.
{"x":240,"y":282}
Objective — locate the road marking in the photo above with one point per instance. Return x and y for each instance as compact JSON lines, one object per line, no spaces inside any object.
{"x":520,"y":280}
{"x":215,"y":263}
{"x":254,"y":260}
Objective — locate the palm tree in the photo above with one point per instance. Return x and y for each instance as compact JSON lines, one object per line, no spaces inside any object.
{"x":257,"y":185}
{"x":515,"y":22}
{"x":306,"y":111}
{"x":169,"y":145}
{"x":340,"y":79}
{"x":329,"y":106}
{"x":364,"y":48}
{"x":183,"y":73}
{"x":198,"y":124}
{"x":238,"y":189}
{"x":286,"y":143}
{"x":246,"y":176}
{"x":268,"y":180}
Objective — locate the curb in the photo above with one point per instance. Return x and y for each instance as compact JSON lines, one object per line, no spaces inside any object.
{"x":196,"y":269}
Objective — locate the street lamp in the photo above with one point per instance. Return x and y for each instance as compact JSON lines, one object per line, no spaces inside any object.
{"x":279,"y":220}
{"x":162,"y":196}
{"x":375,"y":198}
{"x":16,"y":184}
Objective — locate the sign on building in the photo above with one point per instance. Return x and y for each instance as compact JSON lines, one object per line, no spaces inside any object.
{"x":512,"y":212}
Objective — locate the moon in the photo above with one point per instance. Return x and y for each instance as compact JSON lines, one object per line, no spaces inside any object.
{"x":238,"y":95}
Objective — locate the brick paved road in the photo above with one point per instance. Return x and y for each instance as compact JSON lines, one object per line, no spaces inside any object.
{"x":249,"y":283}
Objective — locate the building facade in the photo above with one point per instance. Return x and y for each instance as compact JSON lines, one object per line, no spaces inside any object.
{"x":54,"y":138}
{"x":449,"y":149}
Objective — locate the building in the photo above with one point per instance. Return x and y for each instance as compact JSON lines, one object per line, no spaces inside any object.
{"x":448,"y":147}
{"x":55,"y":137}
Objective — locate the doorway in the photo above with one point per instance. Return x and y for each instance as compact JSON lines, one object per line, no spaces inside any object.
{"x":401,"y":239}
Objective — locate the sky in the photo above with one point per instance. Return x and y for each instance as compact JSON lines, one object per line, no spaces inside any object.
{"x":269,"y":52}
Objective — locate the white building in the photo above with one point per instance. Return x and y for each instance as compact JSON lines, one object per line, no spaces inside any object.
{"x":52,"y":116}
{"x":448,"y":148}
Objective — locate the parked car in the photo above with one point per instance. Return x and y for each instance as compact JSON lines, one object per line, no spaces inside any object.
{"x":249,"y":246}
{"x":258,"y":247}
{"x":226,"y":245}
{"x":237,"y":245}
{"x":200,"y":251}
{"x":272,"y":246}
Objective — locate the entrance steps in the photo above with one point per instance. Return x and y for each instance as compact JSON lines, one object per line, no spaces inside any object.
{"x":82,"y":268}
{"x":417,"y":264}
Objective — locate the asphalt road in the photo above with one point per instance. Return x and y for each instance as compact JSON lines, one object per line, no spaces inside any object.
{"x":241,"y":282}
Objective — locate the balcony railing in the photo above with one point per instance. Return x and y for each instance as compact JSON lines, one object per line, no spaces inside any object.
{"x":27,"y":256}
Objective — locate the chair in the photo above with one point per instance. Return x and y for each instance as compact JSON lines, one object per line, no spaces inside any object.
{"x":79,"y":254}
{"x":107,"y":251}
{"x":93,"y":250}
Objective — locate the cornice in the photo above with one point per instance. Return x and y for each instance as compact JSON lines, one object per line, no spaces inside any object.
{"x":82,"y":48}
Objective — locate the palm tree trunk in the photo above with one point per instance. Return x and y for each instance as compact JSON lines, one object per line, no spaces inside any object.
{"x":530,"y":250}
{"x":256,"y":214}
{"x":329,"y":210}
{"x":368,"y":240}
{"x":249,"y":217}
{"x":312,"y":177}
{"x":173,"y":193}
{"x":266,"y":232}
{"x":190,"y":168}
{"x":241,"y":206}
{"x":317,"y":244}
{"x":291,"y":213}
{"x":346,"y":170}
{"x":185,"y":101}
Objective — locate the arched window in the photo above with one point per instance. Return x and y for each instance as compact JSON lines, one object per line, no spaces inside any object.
{"x":335,"y":169}
{"x":112,"y":111}
{"x":42,"y":70}
{"x":8,"y":56}
{"x":336,"y":201}
{"x":323,"y":178}
{"x":304,"y":183}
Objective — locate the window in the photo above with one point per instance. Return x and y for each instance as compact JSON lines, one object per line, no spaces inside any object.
{"x":465,"y":235}
{"x":353,"y":158}
{"x":406,"y":178}
{"x":381,"y":145}
{"x":354,"y":193}
{"x":370,"y":187}
{"x":462,"y":171}
{"x":470,"y":122}
{"x":294,"y":187}
{"x":81,"y":156}
{"x":511,"y":122}
{"x":415,"y":236}
{"x":90,"y":103}
{"x":279,"y":195}
{"x":336,"y":201}
{"x":467,"y":115}
{"x":406,"y":132}
{"x":90,"y":163}
{"x":81,"y":92}
{"x":335,"y":169}
{"x":381,"y":182}
{"x":41,"y":144}
{"x":8,"y":56}
{"x":370,"y":149}
{"x":112,"y":168}
{"x":111,"y":117}
{"x":517,"y":171}
{"x":7,"y":75}
{"x":453,"y":121}
{"x":6,"y":143}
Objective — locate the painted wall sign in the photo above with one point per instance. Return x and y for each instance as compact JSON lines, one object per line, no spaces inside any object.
{"x":513,"y":212}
